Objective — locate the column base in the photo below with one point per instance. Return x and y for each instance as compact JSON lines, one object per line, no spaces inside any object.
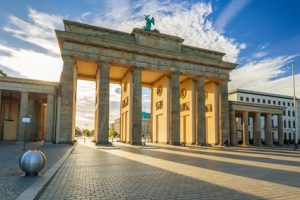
{"x":202,"y":144}
{"x":175,"y":143}
{"x":136,"y":143}
{"x":257,"y":145}
{"x":103,"y":143}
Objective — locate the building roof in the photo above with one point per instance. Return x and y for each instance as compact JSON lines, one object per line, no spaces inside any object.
{"x":260,"y":93}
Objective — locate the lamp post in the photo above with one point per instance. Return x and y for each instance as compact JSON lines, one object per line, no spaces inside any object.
{"x":295,"y":110}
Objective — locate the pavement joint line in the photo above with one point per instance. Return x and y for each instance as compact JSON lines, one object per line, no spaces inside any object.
{"x":35,"y":190}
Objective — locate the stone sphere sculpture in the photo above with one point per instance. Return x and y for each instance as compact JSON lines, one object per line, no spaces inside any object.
{"x":32,"y":162}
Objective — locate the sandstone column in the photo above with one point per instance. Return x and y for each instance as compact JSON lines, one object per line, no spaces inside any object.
{"x":50,"y":119}
{"x":280,"y":129}
{"x":268,"y":130}
{"x":103,"y":103}
{"x":224,"y":114}
{"x":201,"y":124}
{"x":0,"y":102}
{"x":232,"y":128}
{"x":137,"y":107}
{"x":23,"y":112}
{"x":175,"y":109}
{"x":257,"y":129}
{"x":245,"y":129}
{"x":68,"y":100}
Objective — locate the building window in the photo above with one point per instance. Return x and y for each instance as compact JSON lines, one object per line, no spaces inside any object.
{"x":241,"y":99}
{"x":289,"y":124}
{"x":284,"y":124}
{"x":269,"y":101}
{"x":294,"y":124}
{"x":253,"y":100}
{"x":293,"y":104}
{"x":284,"y":112}
{"x":247,"y":99}
{"x":258,"y":100}
{"x":278,"y":102}
{"x":293,"y":113}
{"x":289,"y":113}
{"x":288,"y":103}
{"x":264,"y":101}
{"x":283,"y":103}
{"x":274,"y":102}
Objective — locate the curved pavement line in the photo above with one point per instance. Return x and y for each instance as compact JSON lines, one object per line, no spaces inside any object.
{"x":35,"y":190}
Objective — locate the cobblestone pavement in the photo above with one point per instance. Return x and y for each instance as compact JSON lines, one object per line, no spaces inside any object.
{"x":12,"y":179}
{"x":166,"y":172}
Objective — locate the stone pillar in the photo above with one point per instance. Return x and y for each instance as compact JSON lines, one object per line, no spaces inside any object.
{"x":68,"y":103}
{"x":201,"y":123}
{"x":103,"y":103}
{"x":50,"y":119}
{"x":223,"y":114}
{"x":1,"y":121}
{"x":232,"y":128}
{"x":268,"y":130}
{"x":137,"y":107}
{"x":280,"y":129}
{"x":23,"y":112}
{"x":257,"y":130}
{"x":0,"y":103}
{"x":245,"y":129}
{"x":175,"y":109}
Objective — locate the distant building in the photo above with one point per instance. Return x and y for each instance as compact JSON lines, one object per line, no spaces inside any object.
{"x":266,"y":101}
{"x":145,"y":124}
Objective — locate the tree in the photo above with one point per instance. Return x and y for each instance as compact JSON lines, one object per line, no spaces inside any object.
{"x":87,"y":132}
{"x":113,"y":134}
{"x":78,"y":132}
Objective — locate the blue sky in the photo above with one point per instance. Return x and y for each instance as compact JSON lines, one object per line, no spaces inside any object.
{"x":262,"y":36}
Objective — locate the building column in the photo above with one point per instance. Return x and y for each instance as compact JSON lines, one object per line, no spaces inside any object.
{"x":280,"y":129}
{"x":103,"y":103}
{"x":232,"y":128}
{"x":224,"y":114}
{"x":23,"y":112}
{"x":201,"y":119}
{"x":175,"y":109}
{"x":245,"y":129}
{"x":68,"y":101}
{"x":0,"y":103}
{"x":257,"y":130}
{"x":50,"y":119}
{"x":137,"y":107}
{"x":268,"y":130}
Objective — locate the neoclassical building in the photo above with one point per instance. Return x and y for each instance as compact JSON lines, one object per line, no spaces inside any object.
{"x":189,"y":101}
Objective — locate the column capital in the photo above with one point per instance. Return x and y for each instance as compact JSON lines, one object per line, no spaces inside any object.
{"x":103,"y":63}
{"x":199,"y":78}
{"x":134,"y":68}
{"x":174,"y":73}
{"x":67,"y":57}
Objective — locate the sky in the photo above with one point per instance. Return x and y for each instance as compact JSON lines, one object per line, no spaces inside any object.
{"x":262,"y":37}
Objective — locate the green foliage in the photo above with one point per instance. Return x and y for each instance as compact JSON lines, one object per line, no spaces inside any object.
{"x":78,"y":132}
{"x":87,"y":132}
{"x":113,"y":133}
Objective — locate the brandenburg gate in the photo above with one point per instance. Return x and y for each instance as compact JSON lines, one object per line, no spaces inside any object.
{"x":189,"y":101}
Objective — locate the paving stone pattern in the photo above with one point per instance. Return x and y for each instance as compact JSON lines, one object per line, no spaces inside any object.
{"x":164,"y":172}
{"x":12,"y":179}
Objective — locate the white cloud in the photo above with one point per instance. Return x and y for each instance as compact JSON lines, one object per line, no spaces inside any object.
{"x":230,"y":12}
{"x":188,"y":21}
{"x":264,"y":76}
{"x":39,"y":31}
{"x":31,"y":64}
{"x":260,"y":54}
